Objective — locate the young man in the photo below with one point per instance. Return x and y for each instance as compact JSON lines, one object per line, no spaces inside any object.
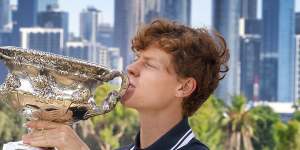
{"x":175,"y":70}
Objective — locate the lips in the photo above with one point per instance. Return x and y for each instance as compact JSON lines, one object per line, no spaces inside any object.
{"x":131,"y":85}
{"x":129,"y":91}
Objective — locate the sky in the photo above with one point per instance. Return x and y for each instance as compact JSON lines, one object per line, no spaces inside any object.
{"x":201,"y":11}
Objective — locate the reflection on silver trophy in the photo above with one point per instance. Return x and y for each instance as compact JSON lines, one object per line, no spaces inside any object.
{"x":55,"y":88}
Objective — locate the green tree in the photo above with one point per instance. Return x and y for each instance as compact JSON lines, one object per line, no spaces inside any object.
{"x":287,"y":135}
{"x":296,"y":115}
{"x":238,"y":124}
{"x":265,"y":118}
{"x":205,"y":123}
{"x":10,"y":124}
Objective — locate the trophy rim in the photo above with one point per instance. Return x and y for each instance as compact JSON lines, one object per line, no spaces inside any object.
{"x":54,"y":62}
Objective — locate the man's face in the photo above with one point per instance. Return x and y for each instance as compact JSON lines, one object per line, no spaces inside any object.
{"x":153,"y":81}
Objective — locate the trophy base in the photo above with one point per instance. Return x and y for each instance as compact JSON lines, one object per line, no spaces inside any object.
{"x":19,"y":146}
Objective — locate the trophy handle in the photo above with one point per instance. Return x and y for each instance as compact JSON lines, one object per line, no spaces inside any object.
{"x":113,"y":97}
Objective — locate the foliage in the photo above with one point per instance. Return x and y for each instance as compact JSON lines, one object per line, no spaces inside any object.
{"x":204,"y":122}
{"x":296,"y":116}
{"x":238,"y":124}
{"x":287,"y":135}
{"x":265,"y":118}
{"x":10,"y":124}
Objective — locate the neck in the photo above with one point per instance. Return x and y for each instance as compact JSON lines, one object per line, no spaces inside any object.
{"x":153,"y":125}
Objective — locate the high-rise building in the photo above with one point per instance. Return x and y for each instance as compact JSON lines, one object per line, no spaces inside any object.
{"x":226,"y":16}
{"x":77,"y":49}
{"x":177,"y":10}
{"x":89,"y":24}
{"x":28,"y":11}
{"x":44,"y":39}
{"x":54,"y":18}
{"x":88,"y":51}
{"x":250,"y":36}
{"x":297,"y":68}
{"x":278,"y":52}
{"x":44,"y":4}
{"x":115,"y":62}
{"x":105,"y":34}
{"x":250,"y":50}
{"x":128,"y":15}
{"x":297,"y":63}
{"x":297,"y":23}
{"x":151,"y":9}
{"x":4,"y":14}
{"x":249,"y":9}
{"x":115,"y":59}
{"x":5,"y":38}
{"x":27,"y":15}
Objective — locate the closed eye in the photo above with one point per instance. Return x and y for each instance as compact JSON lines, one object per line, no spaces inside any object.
{"x":147,"y":65}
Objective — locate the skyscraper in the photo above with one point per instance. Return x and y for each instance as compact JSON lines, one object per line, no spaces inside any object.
{"x":297,"y":23}
{"x":44,"y":39}
{"x":89,"y":24}
{"x":44,"y":4}
{"x":151,"y":10}
{"x":177,"y":10}
{"x":297,"y":62}
{"x":128,"y":15}
{"x":226,"y":20}
{"x":249,"y":9}
{"x":27,"y":15}
{"x":54,"y":18}
{"x":78,"y":48}
{"x":278,"y":52}
{"x":4,"y":14}
{"x":249,"y":55}
{"x":115,"y":59}
{"x":297,"y":68}
{"x":105,"y":34}
{"x":250,"y":36}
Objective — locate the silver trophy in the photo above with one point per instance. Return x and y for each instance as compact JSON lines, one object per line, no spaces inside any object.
{"x":55,"y":88}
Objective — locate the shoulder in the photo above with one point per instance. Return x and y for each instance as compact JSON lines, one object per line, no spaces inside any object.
{"x":128,"y":147}
{"x":194,"y":144}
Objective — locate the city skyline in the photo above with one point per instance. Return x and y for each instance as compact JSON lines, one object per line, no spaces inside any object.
{"x":107,"y":8}
{"x":246,"y":25}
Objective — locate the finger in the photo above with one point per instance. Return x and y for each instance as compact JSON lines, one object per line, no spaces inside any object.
{"x":38,"y":124}
{"x":38,"y":141}
{"x":44,"y":138}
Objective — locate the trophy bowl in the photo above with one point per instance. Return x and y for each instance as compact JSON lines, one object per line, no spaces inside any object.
{"x":62,"y":87}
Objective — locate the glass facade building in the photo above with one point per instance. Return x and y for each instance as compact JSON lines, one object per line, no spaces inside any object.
{"x":4,"y":14}
{"x":54,"y":19}
{"x":278,"y":51}
{"x":226,"y":21}
{"x":89,"y":24}
{"x":177,"y":10}
{"x":44,"y":39}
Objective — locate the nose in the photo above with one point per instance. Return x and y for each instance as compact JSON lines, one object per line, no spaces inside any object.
{"x":133,"y":69}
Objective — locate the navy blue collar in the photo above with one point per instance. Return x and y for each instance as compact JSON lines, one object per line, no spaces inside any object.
{"x":172,"y":139}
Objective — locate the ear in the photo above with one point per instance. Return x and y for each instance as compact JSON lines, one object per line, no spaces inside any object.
{"x":186,"y":87}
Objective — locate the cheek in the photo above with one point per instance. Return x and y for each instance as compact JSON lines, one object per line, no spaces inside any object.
{"x":156,"y":85}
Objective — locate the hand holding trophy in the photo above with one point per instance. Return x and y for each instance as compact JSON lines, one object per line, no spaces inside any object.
{"x":55,"y":88}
